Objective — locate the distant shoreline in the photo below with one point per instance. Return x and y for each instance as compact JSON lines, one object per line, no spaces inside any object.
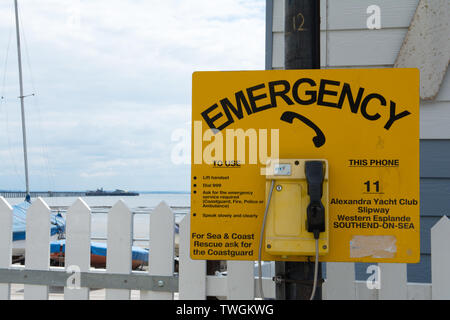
{"x":141,"y":192}
{"x":70,"y":194}
{"x":164,"y":192}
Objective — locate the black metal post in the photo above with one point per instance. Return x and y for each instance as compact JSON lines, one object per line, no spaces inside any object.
{"x":302,"y":51}
{"x":302,"y":34}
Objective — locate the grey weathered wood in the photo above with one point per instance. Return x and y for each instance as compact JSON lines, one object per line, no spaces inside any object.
{"x":5,"y":243}
{"x":427,"y":45}
{"x":364,"y":47}
{"x":161,"y":256}
{"x":434,"y":197}
{"x":352,"y":14}
{"x":351,"y":48}
{"x":120,"y":229}
{"x":269,"y":288}
{"x":278,"y":16}
{"x":341,"y":47}
{"x":444,"y":93}
{"x":434,"y":120}
{"x":415,"y":291}
{"x":78,"y":245}
{"x":192,"y":278}
{"x":419,"y":291}
{"x":269,"y":35}
{"x":434,"y":155}
{"x":217,"y":286}
{"x":37,"y":250}
{"x":393,"y":281}
{"x":340,"y":284}
{"x":426,"y":223}
{"x":323,"y":49}
{"x":364,"y":293}
{"x":278,"y":50}
{"x":240,"y":280}
{"x":440,"y":260}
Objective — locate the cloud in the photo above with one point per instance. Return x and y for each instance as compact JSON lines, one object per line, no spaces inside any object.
{"x":113,"y":82}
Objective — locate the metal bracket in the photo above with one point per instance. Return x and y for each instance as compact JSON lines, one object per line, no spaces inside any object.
{"x":133,"y":281}
{"x":280,"y":280}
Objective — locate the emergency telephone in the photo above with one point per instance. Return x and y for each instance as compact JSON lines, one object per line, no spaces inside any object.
{"x":297,"y":207}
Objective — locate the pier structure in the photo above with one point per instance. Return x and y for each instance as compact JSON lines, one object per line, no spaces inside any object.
{"x":42,"y":194}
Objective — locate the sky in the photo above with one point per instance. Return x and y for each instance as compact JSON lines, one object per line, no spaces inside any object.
{"x":112,"y":81}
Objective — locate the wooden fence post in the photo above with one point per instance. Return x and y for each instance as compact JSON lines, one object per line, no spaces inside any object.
{"x":37,"y":250}
{"x":240,"y":280}
{"x":118,"y":258}
{"x":340,"y":282}
{"x":393,"y":281}
{"x":161,"y":255}
{"x":78,"y":246}
{"x":6,"y":219}
{"x":192,"y":273}
{"x":440,"y":260}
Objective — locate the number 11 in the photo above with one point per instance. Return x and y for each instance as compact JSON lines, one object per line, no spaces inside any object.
{"x":376,"y":184}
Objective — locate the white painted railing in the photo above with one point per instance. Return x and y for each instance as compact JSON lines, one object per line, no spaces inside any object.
{"x":160,"y":282}
{"x":393,"y":284}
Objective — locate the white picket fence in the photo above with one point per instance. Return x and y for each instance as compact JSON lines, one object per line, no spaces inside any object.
{"x":160,"y":282}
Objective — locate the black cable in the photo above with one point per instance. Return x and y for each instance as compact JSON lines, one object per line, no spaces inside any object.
{"x":261,"y":238}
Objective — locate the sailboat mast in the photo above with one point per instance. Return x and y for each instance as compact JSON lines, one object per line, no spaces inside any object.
{"x":22,"y":100}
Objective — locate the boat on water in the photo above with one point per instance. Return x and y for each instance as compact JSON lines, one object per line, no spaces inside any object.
{"x":117,"y":192}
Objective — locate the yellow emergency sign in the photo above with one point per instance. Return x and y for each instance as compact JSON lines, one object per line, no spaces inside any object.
{"x":364,"y":124}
